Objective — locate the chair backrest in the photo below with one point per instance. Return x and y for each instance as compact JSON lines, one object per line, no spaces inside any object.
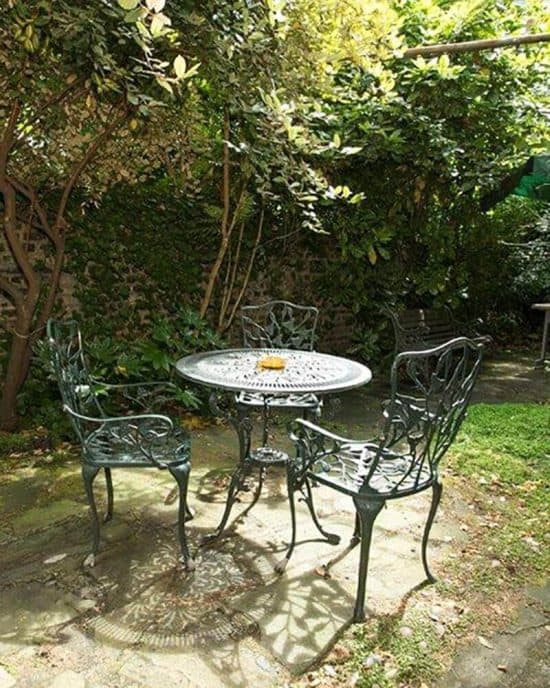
{"x":279,"y":324}
{"x":417,"y":329}
{"x":75,"y":384}
{"x":431,"y":390}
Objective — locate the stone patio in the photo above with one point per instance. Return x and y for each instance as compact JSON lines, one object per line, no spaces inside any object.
{"x":137,"y":619}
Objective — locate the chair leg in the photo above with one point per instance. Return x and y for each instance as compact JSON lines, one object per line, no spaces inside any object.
{"x":332,"y":538}
{"x":88,"y":476}
{"x":437,"y":489}
{"x":181,"y":475}
{"x":109,"y":481}
{"x":356,"y":537}
{"x":367,"y":512}
{"x":291,"y":487}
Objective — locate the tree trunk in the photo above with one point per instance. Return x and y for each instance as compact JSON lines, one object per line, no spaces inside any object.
{"x":18,"y":357}
{"x":30,"y":318}
{"x":225,"y":234}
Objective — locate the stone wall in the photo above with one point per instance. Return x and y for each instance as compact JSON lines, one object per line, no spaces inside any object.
{"x":292,"y":274}
{"x":295,"y":277}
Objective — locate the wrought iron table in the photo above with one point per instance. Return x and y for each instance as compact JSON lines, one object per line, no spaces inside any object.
{"x":234,"y":372}
{"x":545,"y":307}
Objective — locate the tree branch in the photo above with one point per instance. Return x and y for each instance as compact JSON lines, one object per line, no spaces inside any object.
{"x":7,"y":136}
{"x":83,"y":162}
{"x":12,"y":291}
{"x":248,"y":272}
{"x":472,"y":46}
{"x":54,"y":101}
{"x":44,"y":225}
{"x":10,"y":231}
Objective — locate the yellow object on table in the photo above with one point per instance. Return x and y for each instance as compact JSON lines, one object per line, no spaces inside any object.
{"x":272,"y":363}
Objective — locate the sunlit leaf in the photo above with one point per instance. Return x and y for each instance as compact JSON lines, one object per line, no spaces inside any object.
{"x":180,"y":66}
{"x":128,"y":4}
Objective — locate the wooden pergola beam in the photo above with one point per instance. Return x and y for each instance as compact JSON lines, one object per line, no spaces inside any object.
{"x":471,"y":46}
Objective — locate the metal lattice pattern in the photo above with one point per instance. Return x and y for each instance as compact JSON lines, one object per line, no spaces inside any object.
{"x":144,"y":439}
{"x":279,"y":324}
{"x":304,"y":372}
{"x":430,"y":393}
{"x":421,"y":422}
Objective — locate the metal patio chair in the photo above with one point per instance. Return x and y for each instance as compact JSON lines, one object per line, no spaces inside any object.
{"x":279,"y":325}
{"x":141,"y":440}
{"x":421,"y":421}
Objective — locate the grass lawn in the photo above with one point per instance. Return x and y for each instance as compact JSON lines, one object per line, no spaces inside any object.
{"x":499,"y":468}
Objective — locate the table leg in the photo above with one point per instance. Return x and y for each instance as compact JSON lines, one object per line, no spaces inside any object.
{"x":539,"y":363}
{"x":222,"y":404}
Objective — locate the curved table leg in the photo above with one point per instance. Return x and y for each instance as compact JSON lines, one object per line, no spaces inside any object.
{"x":222,"y":404}
{"x":235,"y":486}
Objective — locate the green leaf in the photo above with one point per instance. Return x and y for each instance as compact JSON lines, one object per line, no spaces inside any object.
{"x":165,"y":84}
{"x":371,"y":253}
{"x":180,"y":66}
{"x":133,"y":16}
{"x":128,"y":4}
{"x":158,"y":23}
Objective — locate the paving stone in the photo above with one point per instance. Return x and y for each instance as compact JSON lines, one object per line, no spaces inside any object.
{"x":6,"y":679}
{"x":137,"y":620}
{"x":29,"y":611}
{"x":68,"y":679}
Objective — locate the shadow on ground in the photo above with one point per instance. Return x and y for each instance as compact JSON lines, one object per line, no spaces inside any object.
{"x":138,"y":619}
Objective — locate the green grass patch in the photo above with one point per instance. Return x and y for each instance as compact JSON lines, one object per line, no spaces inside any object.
{"x":504,"y":450}
{"x":391,"y":651}
{"x":501,"y":459}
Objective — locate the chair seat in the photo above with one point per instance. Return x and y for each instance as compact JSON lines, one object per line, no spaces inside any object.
{"x":121,"y":444}
{"x":308,"y":401}
{"x":394,"y":476}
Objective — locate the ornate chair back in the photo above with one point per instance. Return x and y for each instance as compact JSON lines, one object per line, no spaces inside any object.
{"x":421,"y":422}
{"x":279,"y":324}
{"x":75,"y":384}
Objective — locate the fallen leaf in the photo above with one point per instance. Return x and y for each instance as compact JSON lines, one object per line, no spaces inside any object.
{"x":483,"y":641}
{"x":55,"y":558}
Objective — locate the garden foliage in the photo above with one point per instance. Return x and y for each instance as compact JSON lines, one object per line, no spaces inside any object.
{"x":250,"y":129}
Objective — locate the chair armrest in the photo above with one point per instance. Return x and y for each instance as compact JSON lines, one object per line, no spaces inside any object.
{"x":140,"y":430}
{"x":313,"y":443}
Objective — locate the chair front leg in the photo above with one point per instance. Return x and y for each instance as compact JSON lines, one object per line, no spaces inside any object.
{"x":356,"y":537}
{"x":235,"y":486}
{"x":181,"y":475}
{"x":109,"y":481}
{"x":367,"y":510}
{"x":437,"y":489}
{"x":332,"y":538}
{"x":89,"y":473}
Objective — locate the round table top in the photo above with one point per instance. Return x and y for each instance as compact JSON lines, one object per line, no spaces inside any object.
{"x":541,"y":306}
{"x":304,"y":372}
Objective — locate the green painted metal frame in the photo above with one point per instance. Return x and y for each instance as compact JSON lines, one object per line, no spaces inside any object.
{"x":431,"y":390}
{"x":146,"y":439}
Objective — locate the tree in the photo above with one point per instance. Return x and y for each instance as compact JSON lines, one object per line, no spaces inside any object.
{"x":265,"y":65}
{"x":432,"y":137}
{"x":74,"y":76}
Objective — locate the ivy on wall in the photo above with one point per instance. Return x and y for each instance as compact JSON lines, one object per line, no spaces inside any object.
{"x":139,"y":254}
